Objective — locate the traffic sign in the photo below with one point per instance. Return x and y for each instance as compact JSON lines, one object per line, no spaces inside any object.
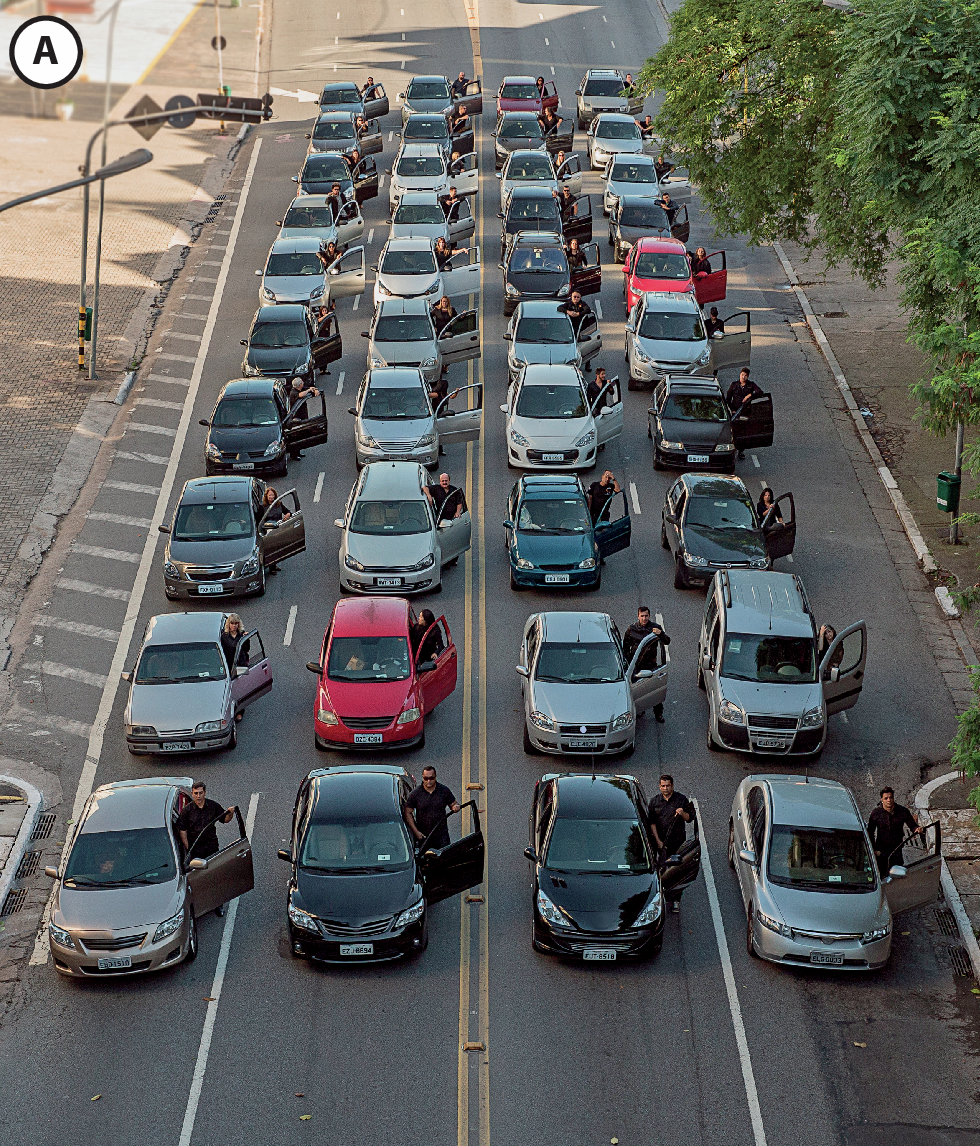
{"x":214,"y":43}
{"x":146,"y":106}
{"x":176,"y":102}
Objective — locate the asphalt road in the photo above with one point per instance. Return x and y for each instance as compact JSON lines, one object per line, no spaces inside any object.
{"x":574,"y":1054}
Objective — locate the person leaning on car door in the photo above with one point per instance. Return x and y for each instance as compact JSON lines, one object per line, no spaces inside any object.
{"x":886,"y":827}
{"x":641,"y":628}
{"x":196,"y":824}
{"x":669,"y":815}
{"x":426,"y":809}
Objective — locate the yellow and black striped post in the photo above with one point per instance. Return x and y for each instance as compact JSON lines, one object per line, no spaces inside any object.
{"x":81,"y":338}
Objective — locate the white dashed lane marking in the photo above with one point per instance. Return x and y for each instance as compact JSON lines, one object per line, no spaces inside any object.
{"x":319,"y":488}
{"x":755,"y":461}
{"x":44,"y":621}
{"x":598,"y":310}
{"x":108,"y":554}
{"x":145,"y":428}
{"x":139,"y":456}
{"x":288,"y":635}
{"x":340,"y":382}
{"x":159,"y":404}
{"x":635,"y":498}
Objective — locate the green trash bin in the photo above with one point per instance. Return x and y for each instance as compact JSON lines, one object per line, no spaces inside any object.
{"x":948,"y":492}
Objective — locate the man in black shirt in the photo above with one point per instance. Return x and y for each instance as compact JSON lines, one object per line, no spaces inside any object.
{"x":425,"y":809}
{"x":601,"y":492}
{"x":740,"y":393}
{"x":887,"y":828}
{"x":641,"y":628}
{"x":715,"y":325}
{"x":196,"y":825}
{"x":459,"y":86}
{"x":447,"y":500}
{"x":670,"y":812}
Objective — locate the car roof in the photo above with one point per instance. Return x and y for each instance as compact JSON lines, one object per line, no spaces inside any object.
{"x":167,"y":628}
{"x":701,"y":384}
{"x":811,"y":802}
{"x":360,"y":616}
{"x":335,"y":116}
{"x":414,"y":150}
{"x":715,"y":485}
{"x":551,"y":373}
{"x":672,"y":300}
{"x":595,"y":797}
{"x":615,"y":117}
{"x":318,"y":200}
{"x":605,"y":72}
{"x":284,"y":312}
{"x":425,"y":198}
{"x":391,"y":479}
{"x":400,"y":306}
{"x":655,"y":243}
{"x":541,"y":308}
{"x":248,"y":388}
{"x":341,"y":85}
{"x":515,"y":113}
{"x":405,"y":244}
{"x":395,"y":377}
{"x":296,"y":245}
{"x":635,"y":157}
{"x":219,"y":490}
{"x":548,"y":485}
{"x":428,"y":79}
{"x":354,"y":795}
{"x":124,"y":807}
{"x":528,"y":153}
{"x":571,"y":627}
{"x":763,"y":601}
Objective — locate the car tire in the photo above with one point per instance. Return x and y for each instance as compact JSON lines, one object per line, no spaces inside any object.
{"x":514,"y":584}
{"x":437,"y":589}
{"x":680,"y":581}
{"x":421,"y":744}
{"x":318,"y":743}
{"x":594,"y":588}
{"x":450,"y":564}
{"x":731,"y":845}
{"x":611,"y":241}
{"x":750,"y":933}
{"x":191,"y":940}
{"x":260,"y":592}
{"x":712,"y":746}
{"x":529,"y":749}
{"x":664,"y":543}
{"x":634,"y":385}
{"x":283,"y":470}
{"x":701,"y":685}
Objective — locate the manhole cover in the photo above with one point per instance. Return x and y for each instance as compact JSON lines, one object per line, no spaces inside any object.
{"x":44,"y":826}
{"x":946,"y":921}
{"x":14,"y":901}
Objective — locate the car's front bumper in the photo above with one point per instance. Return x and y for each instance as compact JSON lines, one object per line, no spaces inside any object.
{"x":754,"y":741}
{"x":538,"y":578}
{"x":570,"y":942}
{"x":385,"y":948}
{"x":83,"y":962}
{"x":257,"y":468}
{"x":651,"y":371}
{"x":798,"y":951}
{"x":168,"y":743}
{"x":365,"y":740}
{"x":184,"y":590}
{"x":586,"y":744}
{"x":529,"y":458}
{"x":692,"y":461}
{"x":367,"y":582}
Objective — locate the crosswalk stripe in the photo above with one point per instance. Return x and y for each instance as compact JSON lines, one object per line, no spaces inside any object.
{"x":95,"y":590}
{"x":108,"y":554}
{"x":144,"y":428}
{"x":46,"y":621}
{"x":68,"y":672}
{"x":121,"y":519}
{"x":131,"y":487}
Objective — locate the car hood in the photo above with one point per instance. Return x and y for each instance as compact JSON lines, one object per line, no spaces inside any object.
{"x":668,"y":350}
{"x":113,"y":908}
{"x":706,"y":434}
{"x":323,"y":234}
{"x":538,"y":283}
{"x":175,"y":707}
{"x":553,"y":353}
{"x":429,"y":106}
{"x":388,"y":552}
{"x":607,"y":902}
{"x":223,"y":552}
{"x":509,"y":185}
{"x":322,"y":187}
{"x":420,"y":182}
{"x":634,"y":234}
{"x":354,"y":899}
{"x":772,"y":699}
{"x":618,"y":146}
{"x":605,"y":103}
{"x":505,"y":103}
{"x":645,"y":286}
{"x":340,"y":146}
{"x":238,"y":439}
{"x":287,"y":360}
{"x":554,"y":548}
{"x":720,"y":546}
{"x":515,"y":226}
{"x":619,"y":188}
{"x":408,"y":286}
{"x":585,"y":703}
{"x":841,"y":912}
{"x":420,"y":231}
{"x":398,"y":353}
{"x":552,"y":433}
{"x":376,"y":698}
{"x":294,"y":288}
{"x":386,"y":430}
{"x":520,"y":143}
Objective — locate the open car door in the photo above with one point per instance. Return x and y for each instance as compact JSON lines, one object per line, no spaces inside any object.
{"x":463,"y":141}
{"x":588,"y":337}
{"x":438,"y":682}
{"x":682,"y":867}
{"x":345,"y":276}
{"x":454,"y":869}
{"x":713,"y":287}
{"x":780,"y":536}
{"x":561,"y":137}
{"x":365,"y":180}
{"x":570,"y":173}
{"x":252,"y":674}
{"x":579,"y":225}
{"x":327,"y":346}
{"x":753,"y":428}
{"x":680,"y":229}
{"x":549,"y":97}
{"x":647,"y":675}
{"x":371,"y":142}
{"x":842,"y":668}
{"x":465,"y":425}
{"x":376,"y":105}
{"x":732,"y":349}
{"x":588,"y":279}
{"x":350,"y":224}
{"x":460,"y":222}
{"x":455,"y":533}
{"x":613,"y":529}
{"x":608,"y":413}
{"x":920,"y":858}
{"x":461,"y":275}
{"x":302,"y":432}
{"x":460,"y":339}
{"x":226,"y":875}
{"x":471,"y":101}
{"x":277,"y":541}
{"x":464,"y":174}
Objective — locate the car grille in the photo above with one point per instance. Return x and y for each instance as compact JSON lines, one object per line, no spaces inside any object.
{"x":376,"y":927}
{"x":554,"y":568}
{"x":729,"y":565}
{"x":215,"y":573}
{"x":827,"y":937}
{"x":399,"y":446}
{"x":538,"y":455}
{"x":600,"y":941}
{"x":367,"y":721}
{"x":576,"y":729}
{"x":789,"y":722}
{"x":120,"y":943}
{"x":255,"y":455}
{"x":385,"y":569}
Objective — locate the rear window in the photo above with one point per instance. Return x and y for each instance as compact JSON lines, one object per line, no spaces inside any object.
{"x":603,"y":87}
{"x":368,"y":658}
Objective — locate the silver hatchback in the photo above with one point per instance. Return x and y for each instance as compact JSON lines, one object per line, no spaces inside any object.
{"x":402,"y":334}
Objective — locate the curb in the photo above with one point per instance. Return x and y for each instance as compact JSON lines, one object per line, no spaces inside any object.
{"x":949,"y":888}
{"x":34,"y":802}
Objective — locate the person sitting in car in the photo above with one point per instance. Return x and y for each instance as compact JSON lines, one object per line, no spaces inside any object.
{"x":443,"y":252}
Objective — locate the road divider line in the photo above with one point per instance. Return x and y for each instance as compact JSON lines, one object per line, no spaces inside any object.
{"x":745,"y":1059}
{"x":552,"y":69}
{"x":598,"y":310}
{"x":287,"y":638}
{"x":635,"y":498}
{"x":755,"y":461}
{"x":340,"y":382}
{"x":214,"y":997}
{"x":370,"y":236}
{"x":319,"y":487}
{"x":357,"y":299}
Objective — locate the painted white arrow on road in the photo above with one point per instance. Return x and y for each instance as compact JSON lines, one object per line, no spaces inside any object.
{"x":302,"y":96}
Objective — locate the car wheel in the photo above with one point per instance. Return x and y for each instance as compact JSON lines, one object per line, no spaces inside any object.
{"x":611,"y":241}
{"x":634,"y":385}
{"x":514,"y":584}
{"x":680,"y":581}
{"x":421,"y":743}
{"x":712,"y":746}
{"x":529,"y":748}
{"x":318,"y":743}
{"x":701,"y":684}
{"x":750,"y":933}
{"x":437,"y":589}
{"x":449,"y":564}
{"x":191,"y":940}
{"x":283,"y":470}
{"x":233,"y":742}
{"x":731,"y":845}
{"x":260,"y":592}
{"x":665,"y":544}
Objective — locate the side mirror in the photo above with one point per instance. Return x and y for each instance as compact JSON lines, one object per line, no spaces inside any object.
{"x":295,"y":178}
{"x":401,"y":95}
{"x":51,"y":872}
{"x":197,"y":864}
{"x":501,"y":266}
{"x":644,"y":674}
{"x":508,"y":525}
{"x":706,"y":663}
{"x":339,"y":522}
{"x":164,"y":528}
{"x":204,"y":422}
{"x":308,"y":136}
{"x":896,"y":872}
{"x":578,"y":91}
{"x":531,"y":854}
{"x":444,"y":524}
{"x":508,"y":337}
{"x":718,"y":334}
{"x":426,"y":666}
{"x":313,"y":667}
{"x":670,"y":518}
{"x":493,"y":135}
{"x":284,"y":855}
{"x":365,"y":334}
{"x":747,"y":855}
{"x":675,"y":858}
{"x":243,"y":342}
{"x":258,"y":273}
{"x":351,"y":410}
{"x":278,"y":222}
{"x":500,"y":175}
{"x":126,"y":676}
{"x":521,"y":670}
{"x":503,"y":409}
{"x":500,"y":214}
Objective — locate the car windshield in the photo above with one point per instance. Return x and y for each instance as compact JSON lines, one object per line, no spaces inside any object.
{"x":549,"y":330}
{"x":633,"y":172}
{"x":390,"y":518}
{"x":121,"y":859}
{"x":584,"y":662}
{"x":534,"y":209}
{"x":527,"y":168}
{"x":539,"y":260}
{"x":551,"y":402}
{"x":662,"y":265}
{"x":331,"y":129}
{"x":554,"y":515}
{"x":356,"y":846}
{"x":425,"y":128}
{"x":603,"y":87}
{"x":181,"y":664}
{"x":522,"y":127}
{"x":820,"y":859}
{"x":213,"y":522}
{"x":389,"y":402}
{"x":769,"y":660}
{"x":324,"y":167}
{"x":278,"y":335}
{"x":318,"y":217}
{"x":580,"y":846}
{"x":420,"y":213}
{"x":615,"y":130}
{"x":695,"y":408}
{"x":414,"y":165}
{"x":293,"y":263}
{"x":403,"y":328}
{"x":368,"y":658}
{"x":672,"y":326}
{"x":419,"y":90}
{"x":408,"y":263}
{"x":520,"y":91}
{"x":337,"y":96}
{"x":644,"y":215}
{"x":713,"y":513}
{"x":241,"y":413}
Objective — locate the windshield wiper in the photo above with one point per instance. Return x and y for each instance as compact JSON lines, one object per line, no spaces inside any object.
{"x":158,"y":680}
{"x":596,"y":680}
{"x":554,"y":342}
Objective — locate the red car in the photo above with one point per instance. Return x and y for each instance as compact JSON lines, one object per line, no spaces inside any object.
{"x":664,"y":264}
{"x":520,"y":93}
{"x":375,"y":688}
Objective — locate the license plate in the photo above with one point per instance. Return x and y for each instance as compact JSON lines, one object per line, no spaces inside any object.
{"x":118,"y":964}
{"x":357,"y":948}
{"x":387,"y":582}
{"x":599,"y":954}
{"x":769,"y":743}
{"x":202,"y":590}
{"x":556,"y":578}
{"x":827,"y":957}
{"x":176,"y":746}
{"x":552,"y":457}
{"x":696,"y":459}
{"x":583,"y":744}
{"x":243,"y":466}
{"x":368,"y":738}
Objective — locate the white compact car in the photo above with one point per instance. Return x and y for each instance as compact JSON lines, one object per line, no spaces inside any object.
{"x":407,"y":268}
{"x":612,"y":134}
{"x":419,"y":215}
{"x":549,"y":423}
{"x":423,"y":167}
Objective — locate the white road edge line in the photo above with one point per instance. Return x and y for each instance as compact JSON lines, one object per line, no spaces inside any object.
{"x":197,"y":1079}
{"x":598,"y":310}
{"x":319,"y":487}
{"x":340,"y":382}
{"x":287,"y":638}
{"x":635,"y":498}
{"x":748,"y":1077}
{"x":755,"y":461}
{"x":93,"y":753}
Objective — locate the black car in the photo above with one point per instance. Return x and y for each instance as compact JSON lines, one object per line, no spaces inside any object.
{"x":709,"y":523}
{"x":638,"y":217}
{"x":252,"y":428}
{"x":321,"y":171}
{"x":284,"y":342}
{"x":692,"y":427}
{"x":521,"y":131}
{"x":597,"y":879}
{"x":535,"y":266}
{"x":538,"y":209}
{"x":426,"y":127}
{"x":359,"y":887}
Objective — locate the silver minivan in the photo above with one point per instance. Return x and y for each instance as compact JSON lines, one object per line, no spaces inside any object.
{"x":757,"y":661}
{"x":402,"y":334}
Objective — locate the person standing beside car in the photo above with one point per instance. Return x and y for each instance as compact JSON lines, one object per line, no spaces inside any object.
{"x":670,"y":812}
{"x":426,"y":809}
{"x":196,"y":823}
{"x":886,"y":827}
{"x":634,"y":636}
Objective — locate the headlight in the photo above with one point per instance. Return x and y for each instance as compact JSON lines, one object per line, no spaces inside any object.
{"x":638,"y":354}
{"x":539,"y":720}
{"x":353,"y":563}
{"x":427,"y":363}
{"x":168,"y":926}
{"x":266,"y":293}
{"x":875,"y":934}
{"x":213,"y":453}
{"x":651,"y":913}
{"x":249,"y":566}
{"x":671,"y":445}
{"x":367,"y":440}
{"x":140,"y":730}
{"x":375,"y":360}
{"x":427,"y":561}
{"x":623,"y":721}
{"x":812,"y":718}
{"x":512,"y":290}
{"x":384,"y":290}
{"x":563,"y":290}
{"x":408,"y":716}
{"x":274,"y":448}
{"x":730,"y":713}
{"x":518,"y":439}
{"x":302,"y":919}
{"x":170,"y":570}
{"x":760,"y":563}
{"x":325,"y":716}
{"x":411,"y":915}
{"x":60,"y":936}
{"x":207,"y":726}
{"x":549,"y":912}
{"x":436,"y":286}
{"x":724,"y":448}
{"x":426,"y":440}
{"x":319,"y":292}
{"x":705,"y":356}
{"x":523,"y":563}
{"x":693,"y":560}
{"x":771,"y":924}
{"x":588,"y":563}
{"x":586,"y":439}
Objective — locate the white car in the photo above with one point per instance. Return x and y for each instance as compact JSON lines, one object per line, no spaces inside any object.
{"x":635,"y":174}
{"x":294,"y":273}
{"x":665,"y":334}
{"x":612,"y":134}
{"x":423,"y":167}
{"x":393,"y":540}
{"x":311,"y":217}
{"x":537,"y":169}
{"x":407,"y":268}
{"x":549,"y":423}
{"x":419,"y":215}
{"x":540,"y":331}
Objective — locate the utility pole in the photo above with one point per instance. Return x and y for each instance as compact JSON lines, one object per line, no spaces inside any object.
{"x":954,"y":529}
{"x":217,"y":44}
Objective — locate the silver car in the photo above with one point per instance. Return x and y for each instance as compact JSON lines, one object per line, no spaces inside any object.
{"x":420,"y":215}
{"x":395,"y":420}
{"x":665,"y":334}
{"x":812,"y":893}
{"x":407,"y":268}
{"x":402,"y":334}
{"x":579,"y":698}
{"x":537,"y":169}
{"x":610,"y":135}
{"x":344,"y":95}
{"x":311,"y":217}
{"x":183,"y":695}
{"x":334,"y":131}
{"x":540,"y":331}
{"x":423,"y":167}
{"x":294,"y":273}
{"x":629,"y":175}
{"x":128,"y":893}
{"x":604,"y":89}
{"x":433,"y":95}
